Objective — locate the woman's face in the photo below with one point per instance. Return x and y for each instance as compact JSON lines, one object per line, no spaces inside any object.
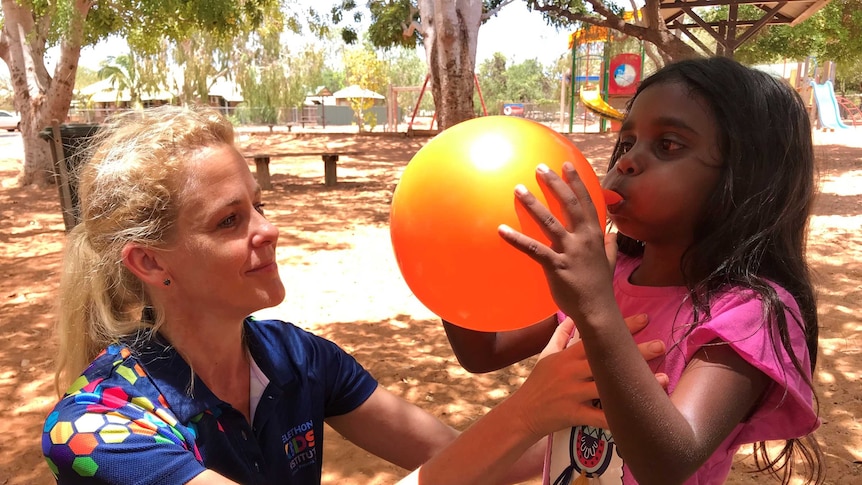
{"x":223,"y":254}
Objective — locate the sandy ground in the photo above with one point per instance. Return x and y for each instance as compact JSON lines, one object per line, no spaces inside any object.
{"x":343,"y":283}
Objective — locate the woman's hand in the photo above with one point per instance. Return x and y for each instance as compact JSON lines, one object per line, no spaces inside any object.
{"x":560,"y":391}
{"x":576,"y":262}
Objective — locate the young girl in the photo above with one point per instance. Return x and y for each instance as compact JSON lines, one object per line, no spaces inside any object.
{"x":715,"y":167}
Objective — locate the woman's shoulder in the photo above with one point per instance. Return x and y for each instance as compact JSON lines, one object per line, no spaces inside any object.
{"x":281,"y":340}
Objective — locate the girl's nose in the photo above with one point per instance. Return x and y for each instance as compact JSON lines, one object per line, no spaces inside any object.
{"x":627,"y":164}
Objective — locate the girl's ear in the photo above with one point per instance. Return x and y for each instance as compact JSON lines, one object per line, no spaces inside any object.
{"x":144,"y":263}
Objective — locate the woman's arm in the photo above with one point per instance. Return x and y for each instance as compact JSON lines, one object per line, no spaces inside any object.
{"x":209,"y":477}
{"x":394,"y":429}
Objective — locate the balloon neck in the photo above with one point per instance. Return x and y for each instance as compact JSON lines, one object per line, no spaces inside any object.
{"x":611,"y":197}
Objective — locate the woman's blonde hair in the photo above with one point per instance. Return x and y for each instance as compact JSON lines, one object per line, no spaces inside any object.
{"x":128,"y":192}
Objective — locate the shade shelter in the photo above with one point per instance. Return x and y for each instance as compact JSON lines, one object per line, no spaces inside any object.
{"x":731,"y":32}
{"x":354,"y":91}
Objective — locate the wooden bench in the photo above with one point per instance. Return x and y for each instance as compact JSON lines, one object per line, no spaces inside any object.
{"x":330,"y":163}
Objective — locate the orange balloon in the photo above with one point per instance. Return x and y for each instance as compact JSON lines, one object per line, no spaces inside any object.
{"x":450,"y":200}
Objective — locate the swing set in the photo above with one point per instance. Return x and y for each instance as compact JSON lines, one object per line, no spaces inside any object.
{"x":392,"y":112}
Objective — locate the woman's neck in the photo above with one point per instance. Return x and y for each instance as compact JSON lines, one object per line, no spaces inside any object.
{"x":217,"y":354}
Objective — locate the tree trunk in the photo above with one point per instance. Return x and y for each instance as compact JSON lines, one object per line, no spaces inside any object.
{"x":450,"y":33}
{"x":39,"y":98}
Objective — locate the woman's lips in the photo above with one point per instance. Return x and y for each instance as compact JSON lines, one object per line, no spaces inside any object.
{"x":265,"y":268}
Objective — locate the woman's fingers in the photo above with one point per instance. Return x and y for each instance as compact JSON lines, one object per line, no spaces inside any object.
{"x":652,"y":349}
{"x":611,"y":249}
{"x":561,"y":337}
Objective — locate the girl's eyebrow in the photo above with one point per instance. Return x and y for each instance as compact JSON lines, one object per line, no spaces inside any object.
{"x":663,"y":121}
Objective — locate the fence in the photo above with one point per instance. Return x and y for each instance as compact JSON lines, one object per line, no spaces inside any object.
{"x":318,"y":115}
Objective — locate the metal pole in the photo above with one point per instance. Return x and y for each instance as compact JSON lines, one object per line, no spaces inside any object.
{"x":572,"y":84}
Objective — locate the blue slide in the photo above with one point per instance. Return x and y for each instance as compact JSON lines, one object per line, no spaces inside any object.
{"x":827,"y":106}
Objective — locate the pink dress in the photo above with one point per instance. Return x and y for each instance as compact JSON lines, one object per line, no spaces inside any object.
{"x":786,"y":412}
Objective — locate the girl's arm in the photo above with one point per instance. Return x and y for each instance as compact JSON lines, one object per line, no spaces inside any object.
{"x":716,"y":391}
{"x":480,"y":352}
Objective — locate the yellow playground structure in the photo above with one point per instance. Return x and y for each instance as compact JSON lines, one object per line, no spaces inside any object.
{"x":593,"y":101}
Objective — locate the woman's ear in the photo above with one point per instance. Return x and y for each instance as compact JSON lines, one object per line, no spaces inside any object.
{"x":144,"y":263}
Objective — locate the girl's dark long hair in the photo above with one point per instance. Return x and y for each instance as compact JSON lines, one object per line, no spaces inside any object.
{"x":755,"y":226}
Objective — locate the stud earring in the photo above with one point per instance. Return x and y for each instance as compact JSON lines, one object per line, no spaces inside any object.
{"x":167,"y":282}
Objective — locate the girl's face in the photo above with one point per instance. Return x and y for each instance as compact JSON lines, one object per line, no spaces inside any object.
{"x":223,"y":258}
{"x":669,"y":166}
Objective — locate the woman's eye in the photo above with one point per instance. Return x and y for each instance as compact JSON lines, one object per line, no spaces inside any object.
{"x":228,"y":221}
{"x":259,"y":208}
{"x":625,"y":146}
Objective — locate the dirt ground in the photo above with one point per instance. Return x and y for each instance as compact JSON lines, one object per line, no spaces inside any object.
{"x":343,"y":283}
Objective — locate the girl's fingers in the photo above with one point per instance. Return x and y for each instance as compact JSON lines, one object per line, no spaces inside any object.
{"x":537,"y":251}
{"x":582,"y":197}
{"x":564,"y":192}
{"x":551,"y":227}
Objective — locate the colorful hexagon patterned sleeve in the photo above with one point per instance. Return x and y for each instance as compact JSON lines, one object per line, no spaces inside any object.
{"x":114,"y":426}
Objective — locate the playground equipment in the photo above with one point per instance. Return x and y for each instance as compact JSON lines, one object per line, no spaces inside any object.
{"x":392,"y":113}
{"x":854,"y":114}
{"x":827,"y":106}
{"x":619,"y":73}
{"x":592,"y":100}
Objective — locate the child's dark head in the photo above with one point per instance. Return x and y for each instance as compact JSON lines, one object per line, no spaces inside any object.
{"x":757,"y":213}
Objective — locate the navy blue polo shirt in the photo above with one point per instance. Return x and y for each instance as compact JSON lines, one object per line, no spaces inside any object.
{"x":137,"y":415}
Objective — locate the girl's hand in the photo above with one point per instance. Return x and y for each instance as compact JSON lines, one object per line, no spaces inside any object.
{"x":576,"y":262}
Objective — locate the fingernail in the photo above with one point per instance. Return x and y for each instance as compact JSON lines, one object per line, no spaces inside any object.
{"x":656,"y":347}
{"x":567,"y":166}
{"x":542,"y":168}
{"x":520,"y":189}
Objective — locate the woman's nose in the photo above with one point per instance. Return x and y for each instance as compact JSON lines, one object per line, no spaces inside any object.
{"x":264,"y":231}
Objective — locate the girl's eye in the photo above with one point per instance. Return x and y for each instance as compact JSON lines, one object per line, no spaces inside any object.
{"x":668,"y":145}
{"x":259,"y":207}
{"x":625,"y":146}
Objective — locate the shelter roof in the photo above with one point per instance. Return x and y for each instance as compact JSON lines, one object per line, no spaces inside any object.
{"x":732,"y":32}
{"x":789,"y":12}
